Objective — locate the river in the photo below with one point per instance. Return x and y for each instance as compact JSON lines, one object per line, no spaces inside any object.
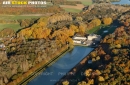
{"x":122,"y":2}
{"x":60,"y":68}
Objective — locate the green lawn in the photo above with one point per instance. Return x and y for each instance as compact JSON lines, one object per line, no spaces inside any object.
{"x":86,"y":3}
{"x":96,"y":29}
{"x":93,"y":29}
{"x":14,"y":17}
{"x":72,"y":10}
{"x":13,"y":26}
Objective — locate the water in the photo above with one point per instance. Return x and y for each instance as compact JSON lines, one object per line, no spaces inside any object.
{"x":60,"y":68}
{"x":122,"y":2}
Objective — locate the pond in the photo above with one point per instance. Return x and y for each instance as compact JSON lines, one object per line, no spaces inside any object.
{"x":60,"y":68}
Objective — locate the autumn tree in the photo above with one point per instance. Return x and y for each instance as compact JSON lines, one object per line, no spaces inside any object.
{"x":62,"y":36}
{"x":73,"y":27}
{"x":37,"y":30}
{"x":59,"y":17}
{"x":107,"y":21}
{"x":96,"y":22}
{"x":82,"y":29}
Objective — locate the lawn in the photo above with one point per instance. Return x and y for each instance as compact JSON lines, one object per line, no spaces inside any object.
{"x":12,"y":26}
{"x":72,"y":10}
{"x":93,"y":30}
{"x":86,"y":3}
{"x":14,"y":17}
{"x":97,"y":29}
{"x":78,"y":8}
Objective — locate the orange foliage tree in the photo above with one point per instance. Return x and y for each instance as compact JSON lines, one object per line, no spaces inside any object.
{"x":62,"y":36}
{"x":107,"y":21}
{"x":82,"y":29}
{"x":96,"y":22}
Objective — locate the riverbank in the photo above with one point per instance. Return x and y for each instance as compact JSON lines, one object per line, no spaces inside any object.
{"x":32,"y":73}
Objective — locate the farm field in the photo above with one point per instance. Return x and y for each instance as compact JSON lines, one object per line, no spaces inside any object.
{"x":84,"y":2}
{"x":78,"y":8}
{"x":72,"y":10}
{"x":15,"y":27}
{"x":16,"y":17}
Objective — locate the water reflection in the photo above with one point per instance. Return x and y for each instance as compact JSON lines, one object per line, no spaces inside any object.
{"x":61,"y":67}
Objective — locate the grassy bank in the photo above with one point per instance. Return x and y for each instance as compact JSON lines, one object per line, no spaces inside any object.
{"x":15,"y":27}
{"x":96,"y":29}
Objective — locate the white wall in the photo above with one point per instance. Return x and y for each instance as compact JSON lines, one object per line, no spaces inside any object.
{"x":79,"y":42}
{"x":80,"y":38}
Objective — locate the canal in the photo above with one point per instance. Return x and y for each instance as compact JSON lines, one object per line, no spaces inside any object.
{"x":61,"y":67}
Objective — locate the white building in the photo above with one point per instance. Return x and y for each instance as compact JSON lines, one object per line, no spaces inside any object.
{"x":86,"y":41}
{"x":79,"y":39}
{"x":94,"y":37}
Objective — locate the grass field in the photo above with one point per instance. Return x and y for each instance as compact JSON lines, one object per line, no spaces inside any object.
{"x":84,"y":2}
{"x":74,"y":9}
{"x":78,"y":8}
{"x":15,"y":27}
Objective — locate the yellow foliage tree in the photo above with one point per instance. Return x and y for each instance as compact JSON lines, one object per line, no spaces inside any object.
{"x":81,"y":29}
{"x":73,"y":27}
{"x":62,"y":36}
{"x":107,"y":21}
{"x":96,"y":22}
